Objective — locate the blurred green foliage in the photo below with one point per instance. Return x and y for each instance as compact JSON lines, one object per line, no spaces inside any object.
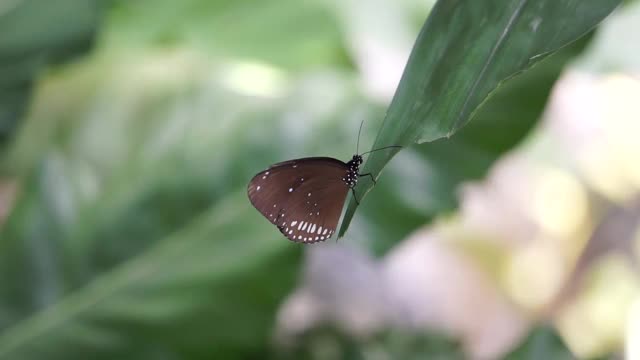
{"x":329,"y":343}
{"x":35,"y":34}
{"x":465,"y":50}
{"x":131,"y":235}
{"x":542,"y":343}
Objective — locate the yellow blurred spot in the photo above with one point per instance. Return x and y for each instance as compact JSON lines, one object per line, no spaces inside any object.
{"x":609,"y":157}
{"x":535,"y":274}
{"x":621,"y":94}
{"x":595,"y":323}
{"x":560,"y":203}
{"x":255,"y":79}
{"x":603,"y":174}
{"x":632,"y":348}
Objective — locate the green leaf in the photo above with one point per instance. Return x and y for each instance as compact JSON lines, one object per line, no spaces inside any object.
{"x":242,"y":29}
{"x":542,"y":343}
{"x":103,"y":234}
{"x":212,"y":283}
{"x":34,"y":34}
{"x":463,"y":53}
{"x":393,"y":343}
{"x":432,"y":181}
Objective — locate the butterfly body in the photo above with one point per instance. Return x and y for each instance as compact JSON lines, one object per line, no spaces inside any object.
{"x":353,"y":166}
{"x":304,"y":197}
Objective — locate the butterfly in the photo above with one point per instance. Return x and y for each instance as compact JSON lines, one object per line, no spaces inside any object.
{"x":304,"y":197}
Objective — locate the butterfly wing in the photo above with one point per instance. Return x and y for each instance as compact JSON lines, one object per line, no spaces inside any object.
{"x":302,"y":197}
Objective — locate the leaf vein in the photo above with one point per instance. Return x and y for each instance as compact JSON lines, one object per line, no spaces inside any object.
{"x":492,"y":54}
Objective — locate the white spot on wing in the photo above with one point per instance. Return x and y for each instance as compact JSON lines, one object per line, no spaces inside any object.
{"x":309,"y":194}
{"x":304,"y":227}
{"x":319,"y":230}
{"x":258,"y":188}
{"x":290,"y":189}
{"x":313,"y":228}
{"x":293,"y":223}
{"x":290,"y":232}
{"x":299,"y":237}
{"x":300,"y":225}
{"x":324,"y":232}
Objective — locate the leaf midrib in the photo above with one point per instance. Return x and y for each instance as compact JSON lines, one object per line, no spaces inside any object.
{"x":489,"y":60}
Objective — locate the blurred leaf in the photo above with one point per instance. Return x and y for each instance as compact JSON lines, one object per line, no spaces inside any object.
{"x":212,"y":283}
{"x":34,"y":34}
{"x":329,"y":342}
{"x":463,"y":53}
{"x":133,"y":156}
{"x":542,"y":343}
{"x":259,"y":31}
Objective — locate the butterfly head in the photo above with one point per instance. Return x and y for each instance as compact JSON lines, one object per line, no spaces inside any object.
{"x":355,"y":162}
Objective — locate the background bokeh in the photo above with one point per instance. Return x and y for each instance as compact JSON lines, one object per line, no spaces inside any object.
{"x":129,"y":131}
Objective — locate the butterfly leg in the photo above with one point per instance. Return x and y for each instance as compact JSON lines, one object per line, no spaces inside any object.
{"x":353,"y":191}
{"x":369,"y":175}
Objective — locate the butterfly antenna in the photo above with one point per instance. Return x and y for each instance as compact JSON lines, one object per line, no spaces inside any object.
{"x":382,"y":148}
{"x":358,"y":143}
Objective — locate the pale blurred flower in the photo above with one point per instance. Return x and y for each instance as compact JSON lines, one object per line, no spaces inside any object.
{"x":595,"y":121}
{"x":342,"y":286}
{"x":595,"y":322}
{"x":434,"y":286}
